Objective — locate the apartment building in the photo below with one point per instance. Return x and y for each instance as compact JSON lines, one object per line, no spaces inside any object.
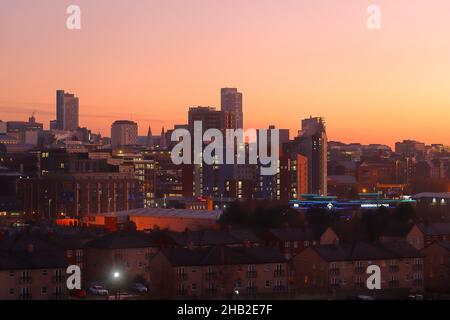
{"x":341,"y":268}
{"x":423,"y":234}
{"x":219,"y":272}
{"x":291,"y":241}
{"x":29,"y":271}
{"x":437,"y":267}
{"x":32,"y":277}
{"x":126,"y":252}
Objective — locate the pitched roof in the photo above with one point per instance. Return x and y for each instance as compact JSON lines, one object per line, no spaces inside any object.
{"x":213,"y":237}
{"x":29,"y":261}
{"x":122,"y":240}
{"x":41,"y":241}
{"x":221,"y":255}
{"x":444,"y":244}
{"x":364,"y":251}
{"x":397,"y":229}
{"x":298,"y":234}
{"x":435,"y":229}
{"x":23,"y":241}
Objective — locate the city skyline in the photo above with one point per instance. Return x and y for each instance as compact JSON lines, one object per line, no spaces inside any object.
{"x":318,"y":60}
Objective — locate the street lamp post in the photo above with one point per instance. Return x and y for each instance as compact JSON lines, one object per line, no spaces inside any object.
{"x":116,"y":278}
{"x":49,"y":208}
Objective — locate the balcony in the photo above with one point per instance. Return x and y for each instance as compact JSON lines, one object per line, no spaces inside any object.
{"x":25,"y":280}
{"x":279,"y":288}
{"x":210,"y":275}
{"x":279,"y":273}
{"x":182,"y":292}
{"x":417,"y":267}
{"x":394,"y":284}
{"x":360,"y":270}
{"x":26,"y":296}
{"x":251,"y":274}
{"x":335,"y":271}
{"x":58,"y":296}
{"x":58,"y":279}
{"x":335,"y":285}
{"x":211,"y":291}
{"x":182,"y":277}
{"x":251,"y":290}
{"x":394,"y":268}
{"x":418,"y":282}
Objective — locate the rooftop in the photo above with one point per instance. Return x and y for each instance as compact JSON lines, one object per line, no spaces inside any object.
{"x":435,"y":229}
{"x":361,"y":251}
{"x":213,"y":237}
{"x":168,"y":213}
{"x":122,"y":240}
{"x":223,"y":256}
{"x":437,"y":195}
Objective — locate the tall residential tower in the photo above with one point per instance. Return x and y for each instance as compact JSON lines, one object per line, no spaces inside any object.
{"x":231,"y":101}
{"x":67,"y":109}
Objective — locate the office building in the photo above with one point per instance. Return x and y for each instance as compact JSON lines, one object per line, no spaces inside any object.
{"x":124,"y":133}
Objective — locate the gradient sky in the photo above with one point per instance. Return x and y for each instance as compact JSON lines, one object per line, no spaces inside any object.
{"x":149,"y":60}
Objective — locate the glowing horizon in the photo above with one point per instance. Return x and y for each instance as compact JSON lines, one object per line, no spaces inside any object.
{"x":150,"y":60}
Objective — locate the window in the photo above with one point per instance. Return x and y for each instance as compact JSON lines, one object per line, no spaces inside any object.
{"x":194,"y":286}
{"x":306,"y":244}
{"x":268,"y":284}
{"x":44,"y":272}
{"x":334,"y":282}
{"x":359,"y":282}
{"x":287,"y":244}
{"x":12,"y":274}
{"x":44,"y":290}
{"x":267,"y":267}
{"x":11,"y":291}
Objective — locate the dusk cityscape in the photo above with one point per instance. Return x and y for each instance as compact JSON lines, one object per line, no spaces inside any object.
{"x":221,"y":151}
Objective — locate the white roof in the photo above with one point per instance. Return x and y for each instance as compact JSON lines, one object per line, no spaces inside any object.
{"x":437,"y":195}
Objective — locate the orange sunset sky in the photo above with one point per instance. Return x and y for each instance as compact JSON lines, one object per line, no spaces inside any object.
{"x":149,"y":60}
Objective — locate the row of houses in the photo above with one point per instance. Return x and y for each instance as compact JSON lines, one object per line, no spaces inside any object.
{"x":225,"y":263}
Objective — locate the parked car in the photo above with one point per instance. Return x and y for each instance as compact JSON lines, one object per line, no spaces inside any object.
{"x":78,"y":293}
{"x":415,"y":297}
{"x":139,"y":287}
{"x":364,"y":297}
{"x":98,"y":290}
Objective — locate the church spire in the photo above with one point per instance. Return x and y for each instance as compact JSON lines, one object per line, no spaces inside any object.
{"x":163,"y":142}
{"x":150,"y":138}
